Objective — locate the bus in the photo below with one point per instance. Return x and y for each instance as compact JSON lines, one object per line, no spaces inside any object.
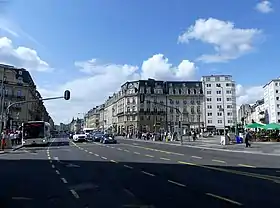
{"x":36,"y":133}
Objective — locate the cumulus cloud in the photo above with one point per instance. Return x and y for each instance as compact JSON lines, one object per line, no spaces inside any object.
{"x":102,"y":80}
{"x":264,"y":7}
{"x":228,"y":41}
{"x":21,"y":56}
{"x":248,"y":95}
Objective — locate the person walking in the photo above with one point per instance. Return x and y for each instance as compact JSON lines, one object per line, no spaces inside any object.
{"x":247,"y":139}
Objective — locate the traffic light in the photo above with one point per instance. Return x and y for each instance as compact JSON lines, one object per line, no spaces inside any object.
{"x":67,"y":95}
{"x":142,"y":98}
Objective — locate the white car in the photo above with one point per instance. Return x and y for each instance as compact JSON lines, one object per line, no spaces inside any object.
{"x":79,"y":137}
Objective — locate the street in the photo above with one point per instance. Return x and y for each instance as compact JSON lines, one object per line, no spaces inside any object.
{"x":136,"y":174}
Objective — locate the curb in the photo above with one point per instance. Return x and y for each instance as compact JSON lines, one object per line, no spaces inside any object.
{"x":16,"y":148}
{"x":207,"y":148}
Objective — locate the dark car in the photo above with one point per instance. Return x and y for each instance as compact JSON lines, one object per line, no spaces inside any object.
{"x":108,"y":139}
{"x":96,"y":137}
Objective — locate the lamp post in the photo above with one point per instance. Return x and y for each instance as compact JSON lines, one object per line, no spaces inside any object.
{"x":2,"y":99}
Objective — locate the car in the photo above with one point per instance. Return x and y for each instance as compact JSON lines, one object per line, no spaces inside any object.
{"x":96,"y":137}
{"x":79,"y":137}
{"x":108,"y":139}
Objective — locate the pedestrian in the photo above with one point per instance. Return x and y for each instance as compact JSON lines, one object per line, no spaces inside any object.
{"x":248,"y":136}
{"x":12,"y":138}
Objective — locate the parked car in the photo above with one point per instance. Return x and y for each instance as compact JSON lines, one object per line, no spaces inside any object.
{"x":97,"y":136}
{"x":108,"y":139}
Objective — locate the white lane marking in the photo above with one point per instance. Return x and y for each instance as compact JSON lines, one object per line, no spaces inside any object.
{"x":104,"y":158}
{"x":90,"y":152}
{"x":137,"y":153}
{"x":113,"y":161}
{"x":49,"y":157}
{"x":129,"y":192}
{"x":74,"y":193}
{"x":119,"y":149}
{"x":147,"y":173}
{"x":53,"y":166}
{"x":96,"y":155}
{"x":126,"y":150}
{"x":224,"y":199}
{"x":50,"y":161}
{"x":63,"y":180}
{"x":57,"y":172}
{"x":127,"y":166}
{"x":85,"y":150}
{"x":134,"y":143}
{"x":163,"y":158}
{"x":149,"y":155}
{"x":247,"y":166}
{"x":196,"y":157}
{"x":176,"y":183}
{"x":219,"y":161}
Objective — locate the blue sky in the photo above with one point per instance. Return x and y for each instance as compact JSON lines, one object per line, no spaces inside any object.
{"x":124,"y":32}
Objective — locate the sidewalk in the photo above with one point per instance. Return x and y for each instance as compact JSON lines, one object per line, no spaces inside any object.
{"x":14,"y":148}
{"x":213,"y":143}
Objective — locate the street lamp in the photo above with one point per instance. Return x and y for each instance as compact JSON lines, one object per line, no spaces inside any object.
{"x":223,"y":110}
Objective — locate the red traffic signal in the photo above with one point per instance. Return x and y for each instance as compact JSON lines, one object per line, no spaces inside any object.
{"x":67,"y":95}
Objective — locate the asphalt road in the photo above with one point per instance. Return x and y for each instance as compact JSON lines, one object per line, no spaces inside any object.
{"x":135,"y":174}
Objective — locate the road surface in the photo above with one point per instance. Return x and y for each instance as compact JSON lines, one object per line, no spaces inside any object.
{"x":136,"y":174}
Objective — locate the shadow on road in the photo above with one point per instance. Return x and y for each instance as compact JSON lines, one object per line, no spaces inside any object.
{"x":35,"y":183}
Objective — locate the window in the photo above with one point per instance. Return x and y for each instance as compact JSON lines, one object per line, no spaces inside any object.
{"x":209,"y":121}
{"x":208,"y":99}
{"x":209,"y":114}
{"x":228,"y":84}
{"x":229,"y":113}
{"x":229,"y":121}
{"x":208,"y":85}
{"x":219,"y":92}
{"x":229,"y":106}
{"x":171,"y":102}
{"x":228,"y":99}
{"x":277,"y":98}
{"x":208,"y":79}
{"x":219,"y":114}
{"x":276,"y":91}
{"x":209,"y":106}
{"x":220,"y":121}
{"x":219,"y":99}
{"x":218,"y":85}
{"x":20,"y":72}
{"x":228,"y":91}
{"x":208,"y":92}
{"x":219,"y":106}
{"x":20,"y":80}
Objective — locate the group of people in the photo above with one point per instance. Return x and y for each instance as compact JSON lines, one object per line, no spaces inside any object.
{"x":15,"y":137}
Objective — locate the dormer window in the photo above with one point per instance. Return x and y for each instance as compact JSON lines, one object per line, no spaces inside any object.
{"x":20,"y":72}
{"x":20,"y":80}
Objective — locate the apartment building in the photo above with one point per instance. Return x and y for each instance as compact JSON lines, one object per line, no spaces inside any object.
{"x":243,"y":112}
{"x":272,"y":101}
{"x":257,"y":113}
{"x":16,"y":84}
{"x":167,"y":105}
{"x":220,"y":97}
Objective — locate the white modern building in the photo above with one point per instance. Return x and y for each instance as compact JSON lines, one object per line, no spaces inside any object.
{"x":272,"y":100}
{"x":220,"y":97}
{"x":257,"y":113}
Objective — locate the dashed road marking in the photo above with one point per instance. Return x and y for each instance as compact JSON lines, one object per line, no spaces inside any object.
{"x":129,"y":192}
{"x":57,"y":172}
{"x":86,"y":150}
{"x":120,"y":149}
{"x":149,"y":155}
{"x":74,"y":193}
{"x":162,"y":158}
{"x":247,"y":166}
{"x":219,"y":161}
{"x":126,"y":150}
{"x":176,"y":183}
{"x":224,"y":199}
{"x":53,"y":166}
{"x":97,"y":155}
{"x":127,"y":166}
{"x":113,"y":161}
{"x":50,"y":161}
{"x":196,"y":157}
{"x":90,"y":152}
{"x":63,"y":180}
{"x":147,"y":173}
{"x":49,"y":157}
{"x":187,"y":163}
{"x":104,"y":158}
{"x":137,"y":153}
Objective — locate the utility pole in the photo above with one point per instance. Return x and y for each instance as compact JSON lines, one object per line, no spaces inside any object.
{"x":2,"y":99}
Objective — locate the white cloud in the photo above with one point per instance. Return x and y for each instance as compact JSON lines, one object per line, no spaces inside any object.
{"x":21,"y":56}
{"x":264,"y":7}
{"x":228,"y":41}
{"x":248,"y":95}
{"x":102,"y":80}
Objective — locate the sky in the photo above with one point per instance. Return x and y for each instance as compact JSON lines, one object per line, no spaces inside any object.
{"x":92,"y":47}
